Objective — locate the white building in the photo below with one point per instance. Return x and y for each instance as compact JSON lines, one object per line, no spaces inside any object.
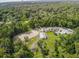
{"x":42,"y":35}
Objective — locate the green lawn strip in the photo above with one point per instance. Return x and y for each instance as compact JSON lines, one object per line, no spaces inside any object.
{"x":31,"y":41}
{"x":51,"y":40}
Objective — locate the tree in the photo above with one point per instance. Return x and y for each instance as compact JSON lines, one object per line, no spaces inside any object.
{"x":43,"y":46}
{"x":21,"y":50}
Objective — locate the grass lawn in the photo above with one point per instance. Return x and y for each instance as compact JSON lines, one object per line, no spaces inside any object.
{"x":51,"y":39}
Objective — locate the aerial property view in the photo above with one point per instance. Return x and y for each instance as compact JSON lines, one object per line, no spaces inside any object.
{"x":39,"y":29}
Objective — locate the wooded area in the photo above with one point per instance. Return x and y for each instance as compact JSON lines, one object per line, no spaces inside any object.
{"x":19,"y":19}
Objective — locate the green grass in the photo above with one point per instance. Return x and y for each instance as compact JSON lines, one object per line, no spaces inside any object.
{"x":51,"y":39}
{"x":31,"y":41}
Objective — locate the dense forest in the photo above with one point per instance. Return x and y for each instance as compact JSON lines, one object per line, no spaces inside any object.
{"x":22,"y":18}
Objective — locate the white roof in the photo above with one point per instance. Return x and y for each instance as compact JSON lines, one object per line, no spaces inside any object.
{"x":42,"y":35}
